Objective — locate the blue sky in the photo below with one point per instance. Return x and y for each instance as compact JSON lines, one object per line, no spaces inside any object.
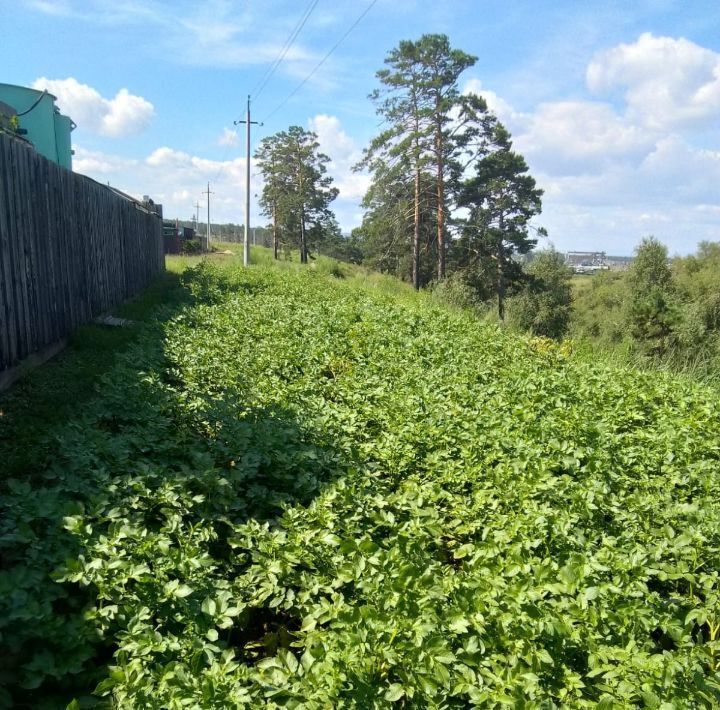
{"x":615,"y":105}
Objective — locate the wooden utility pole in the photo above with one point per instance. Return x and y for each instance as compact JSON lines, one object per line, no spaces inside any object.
{"x":208,"y":193}
{"x":248,"y":123}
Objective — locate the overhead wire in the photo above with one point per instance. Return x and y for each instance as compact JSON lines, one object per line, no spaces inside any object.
{"x":262,"y":82}
{"x":286,"y":47}
{"x":223,"y":160}
{"x":321,"y":62}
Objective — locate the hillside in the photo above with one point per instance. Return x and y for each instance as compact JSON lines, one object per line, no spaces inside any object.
{"x":317,"y":488}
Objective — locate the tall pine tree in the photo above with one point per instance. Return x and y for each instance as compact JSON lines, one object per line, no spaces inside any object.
{"x":501,"y":198}
{"x":297,"y":191}
{"x":430,"y":129}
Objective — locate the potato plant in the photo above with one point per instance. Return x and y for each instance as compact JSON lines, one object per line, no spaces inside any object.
{"x":307,"y":493}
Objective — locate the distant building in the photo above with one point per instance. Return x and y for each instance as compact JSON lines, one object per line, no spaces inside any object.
{"x":39,"y":121}
{"x":589,"y":262}
{"x":175,"y":236}
{"x":586,"y":262}
{"x":620,"y":263}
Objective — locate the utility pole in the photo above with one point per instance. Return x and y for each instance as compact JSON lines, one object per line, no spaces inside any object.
{"x":247,"y":122}
{"x":208,"y":193}
{"x":196,"y":218}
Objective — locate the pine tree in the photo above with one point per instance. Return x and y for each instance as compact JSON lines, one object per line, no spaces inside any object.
{"x":650,"y":311}
{"x":441,"y":67}
{"x":501,"y":199}
{"x":431,"y":130}
{"x":297,"y":192}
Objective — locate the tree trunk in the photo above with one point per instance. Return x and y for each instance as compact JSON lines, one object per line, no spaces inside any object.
{"x":500,"y":282}
{"x":303,"y":239}
{"x":440,"y":204}
{"x":275,"y":240}
{"x":416,"y":233}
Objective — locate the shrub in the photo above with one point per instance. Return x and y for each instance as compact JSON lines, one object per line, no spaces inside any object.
{"x":457,"y":292}
{"x":543,"y":305}
{"x":191,"y":246}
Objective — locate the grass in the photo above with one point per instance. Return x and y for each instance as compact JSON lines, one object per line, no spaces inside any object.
{"x":53,"y":392}
{"x":353,"y":273}
{"x":581,"y":283}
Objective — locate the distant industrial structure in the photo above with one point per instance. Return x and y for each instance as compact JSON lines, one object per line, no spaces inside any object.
{"x":590,"y":262}
{"x":586,"y":262}
{"x":176,"y":237}
{"x":33,"y":116}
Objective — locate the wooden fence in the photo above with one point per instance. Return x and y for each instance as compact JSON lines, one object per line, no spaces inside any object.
{"x":70,"y":249}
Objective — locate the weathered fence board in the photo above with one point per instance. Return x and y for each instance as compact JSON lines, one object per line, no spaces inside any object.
{"x":70,"y":249}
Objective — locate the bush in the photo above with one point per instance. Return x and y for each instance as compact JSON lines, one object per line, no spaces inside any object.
{"x":651,"y":312}
{"x":457,"y":292}
{"x":191,"y":246}
{"x":543,"y":305}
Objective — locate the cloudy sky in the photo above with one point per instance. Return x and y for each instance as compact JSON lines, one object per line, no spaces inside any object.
{"x":615,"y":104}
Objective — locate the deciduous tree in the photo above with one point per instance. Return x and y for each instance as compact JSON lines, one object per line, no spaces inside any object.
{"x":543,"y":306}
{"x":651,"y":313}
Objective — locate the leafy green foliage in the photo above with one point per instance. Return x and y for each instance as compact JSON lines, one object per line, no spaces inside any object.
{"x":457,"y":292}
{"x":599,"y":303}
{"x":661,"y":312}
{"x":543,"y":306}
{"x":650,"y":311}
{"x":310,"y":493}
{"x":191,"y":246}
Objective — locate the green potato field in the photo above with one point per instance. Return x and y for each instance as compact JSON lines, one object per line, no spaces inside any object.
{"x":306,"y":491}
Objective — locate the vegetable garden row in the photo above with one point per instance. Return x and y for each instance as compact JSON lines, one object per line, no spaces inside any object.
{"x":310,"y":493}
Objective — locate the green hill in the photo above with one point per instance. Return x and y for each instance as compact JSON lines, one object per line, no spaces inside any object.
{"x":317,"y":488}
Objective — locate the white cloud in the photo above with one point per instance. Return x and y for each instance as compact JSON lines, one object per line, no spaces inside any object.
{"x":95,"y":163}
{"x":222,"y":34}
{"x":668,"y":83}
{"x":343,"y":152}
{"x":228,"y":138}
{"x":176,"y":179}
{"x":123,"y":115}
{"x":501,"y":108}
{"x":101,"y":12}
{"x":168,"y":158}
{"x":57,"y":8}
{"x":126,"y":114}
{"x":641,"y":162}
{"x":188,"y":168}
{"x":612,"y":171}
{"x":334,"y":141}
{"x":579,"y":137}
{"x":216,"y":33}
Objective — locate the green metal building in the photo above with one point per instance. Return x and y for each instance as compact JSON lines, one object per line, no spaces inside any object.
{"x":41,"y":122}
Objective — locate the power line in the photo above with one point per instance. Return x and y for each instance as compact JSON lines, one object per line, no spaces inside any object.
{"x":208,"y":193}
{"x":37,"y":101}
{"x":285,"y":49}
{"x":223,"y":160}
{"x":271,"y":70}
{"x":322,"y":61}
{"x":248,"y":123}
